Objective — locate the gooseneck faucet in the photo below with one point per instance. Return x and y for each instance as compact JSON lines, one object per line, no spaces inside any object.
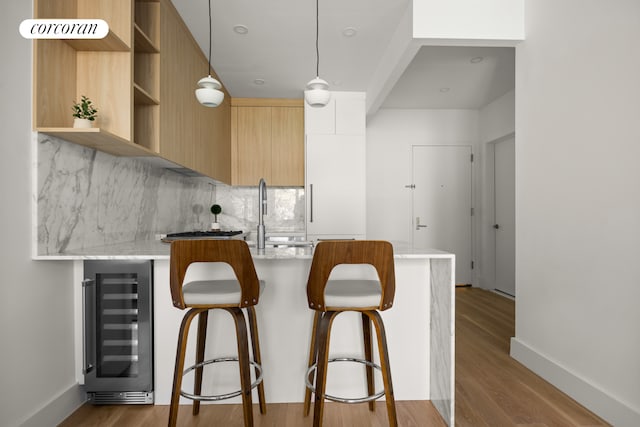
{"x":262,"y":211}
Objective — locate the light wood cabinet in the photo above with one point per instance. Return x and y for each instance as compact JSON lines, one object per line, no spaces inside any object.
{"x":267,"y":141}
{"x":141,"y":78}
{"x":191,"y":135}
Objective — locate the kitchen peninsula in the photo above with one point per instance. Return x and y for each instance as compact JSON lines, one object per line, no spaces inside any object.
{"x":419,"y":327}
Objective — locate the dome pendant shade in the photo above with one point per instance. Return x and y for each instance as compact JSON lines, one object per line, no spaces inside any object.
{"x":209,"y":93}
{"x":317,"y":93}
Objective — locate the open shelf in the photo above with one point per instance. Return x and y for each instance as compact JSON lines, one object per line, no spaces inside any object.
{"x":99,"y":139}
{"x":142,"y":42}
{"x":141,"y":96}
{"x":111,"y":43}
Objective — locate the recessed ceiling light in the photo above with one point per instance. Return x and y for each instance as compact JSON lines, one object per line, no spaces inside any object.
{"x":477,"y":59}
{"x":444,"y":89}
{"x":240,"y":29}
{"x":349,"y":32}
{"x":259,"y":82}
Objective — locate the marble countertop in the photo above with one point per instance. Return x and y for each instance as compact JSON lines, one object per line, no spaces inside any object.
{"x":155,"y":249}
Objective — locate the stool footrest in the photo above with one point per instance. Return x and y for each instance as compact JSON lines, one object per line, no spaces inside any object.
{"x":213,"y":398}
{"x":369,"y":398}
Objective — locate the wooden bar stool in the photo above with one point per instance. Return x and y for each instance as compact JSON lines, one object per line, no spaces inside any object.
{"x":331,"y":297}
{"x":215,"y":274}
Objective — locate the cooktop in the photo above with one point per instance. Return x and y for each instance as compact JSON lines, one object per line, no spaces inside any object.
{"x":201,"y":235}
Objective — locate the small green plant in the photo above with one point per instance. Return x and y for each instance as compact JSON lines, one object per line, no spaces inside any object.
{"x":216,"y":210}
{"x":84,"y":109}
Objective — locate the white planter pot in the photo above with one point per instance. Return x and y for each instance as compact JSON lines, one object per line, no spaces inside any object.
{"x":82,"y":123}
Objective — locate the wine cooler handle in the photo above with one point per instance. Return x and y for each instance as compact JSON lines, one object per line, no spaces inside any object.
{"x":88,"y":312}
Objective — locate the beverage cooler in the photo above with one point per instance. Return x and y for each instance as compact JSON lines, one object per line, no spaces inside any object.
{"x":118,"y":331}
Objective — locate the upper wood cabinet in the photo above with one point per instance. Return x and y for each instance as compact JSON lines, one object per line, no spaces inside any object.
{"x":191,"y":135}
{"x":267,"y":140}
{"x":141,"y":78}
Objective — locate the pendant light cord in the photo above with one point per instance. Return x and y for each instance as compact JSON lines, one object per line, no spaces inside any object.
{"x":317,"y":37}
{"x":209,"y":63}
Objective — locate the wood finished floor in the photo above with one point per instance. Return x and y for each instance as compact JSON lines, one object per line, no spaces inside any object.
{"x":492,"y":389}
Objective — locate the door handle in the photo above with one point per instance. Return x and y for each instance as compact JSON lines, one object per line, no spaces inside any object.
{"x":418,"y":225}
{"x":311,"y":202}
{"x":88,"y":330}
{"x":496,"y":226}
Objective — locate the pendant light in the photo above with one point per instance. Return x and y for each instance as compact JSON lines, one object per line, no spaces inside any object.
{"x":317,"y":90}
{"x":209,"y":93}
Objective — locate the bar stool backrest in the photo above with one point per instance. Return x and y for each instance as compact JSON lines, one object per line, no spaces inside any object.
{"x":233,"y":252}
{"x":330,"y":253}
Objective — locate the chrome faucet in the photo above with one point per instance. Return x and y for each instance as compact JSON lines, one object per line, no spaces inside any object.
{"x":262,"y":211}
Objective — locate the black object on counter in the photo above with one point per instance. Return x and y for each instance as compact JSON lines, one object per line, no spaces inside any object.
{"x":192,"y":234}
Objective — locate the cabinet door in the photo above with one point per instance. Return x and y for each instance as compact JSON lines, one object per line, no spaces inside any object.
{"x":253,"y":144}
{"x":335,"y":190}
{"x":321,"y":120}
{"x":351,"y":114}
{"x":287,"y":146}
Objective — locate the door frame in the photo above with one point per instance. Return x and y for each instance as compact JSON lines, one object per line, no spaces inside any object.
{"x":488,"y":235}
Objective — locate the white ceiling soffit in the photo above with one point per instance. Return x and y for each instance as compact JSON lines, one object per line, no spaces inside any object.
{"x":454,"y":77}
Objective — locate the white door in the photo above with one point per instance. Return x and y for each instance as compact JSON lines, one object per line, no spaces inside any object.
{"x":442,"y":203}
{"x":505,"y":215}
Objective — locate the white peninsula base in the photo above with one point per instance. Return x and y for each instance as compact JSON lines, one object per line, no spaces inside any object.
{"x":419,"y":328}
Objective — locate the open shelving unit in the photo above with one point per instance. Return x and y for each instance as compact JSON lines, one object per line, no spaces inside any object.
{"x":141,"y":79}
{"x":118,"y":73}
{"x":146,"y":80}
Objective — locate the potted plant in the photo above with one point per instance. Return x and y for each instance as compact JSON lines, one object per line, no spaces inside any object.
{"x":84,"y":113}
{"x":215,"y":210}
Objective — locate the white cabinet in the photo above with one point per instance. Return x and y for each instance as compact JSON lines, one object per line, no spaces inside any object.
{"x":350,"y":113}
{"x":335,"y":159}
{"x":335,"y":186}
{"x":320,"y":120}
{"x":345,"y":114}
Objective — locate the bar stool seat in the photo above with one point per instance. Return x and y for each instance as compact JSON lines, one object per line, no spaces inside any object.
{"x":353,"y":294}
{"x":214,"y":292}
{"x":330,"y":297}
{"x":207,"y":275}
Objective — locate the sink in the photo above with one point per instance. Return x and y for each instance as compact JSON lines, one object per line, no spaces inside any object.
{"x":284,"y":242}
{"x":288,"y":243}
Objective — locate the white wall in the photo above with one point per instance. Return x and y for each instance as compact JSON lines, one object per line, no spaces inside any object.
{"x":578,"y":201}
{"x":390,"y":135}
{"x":36,"y":301}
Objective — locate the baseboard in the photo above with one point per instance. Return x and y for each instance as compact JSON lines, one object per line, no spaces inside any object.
{"x":59,"y":408}
{"x":593,"y":398}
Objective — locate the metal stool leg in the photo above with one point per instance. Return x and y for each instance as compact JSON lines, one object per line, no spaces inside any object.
{"x":243,"y":360}
{"x":368,"y":355}
{"x":180,"y":355}
{"x":202,"y":337}
{"x":312,"y":359}
{"x":255,"y":345}
{"x":384,"y":363}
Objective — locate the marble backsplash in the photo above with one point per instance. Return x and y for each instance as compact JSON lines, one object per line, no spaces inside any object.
{"x":86,"y":198}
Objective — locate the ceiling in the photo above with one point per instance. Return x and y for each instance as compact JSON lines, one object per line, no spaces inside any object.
{"x":276,"y":57}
